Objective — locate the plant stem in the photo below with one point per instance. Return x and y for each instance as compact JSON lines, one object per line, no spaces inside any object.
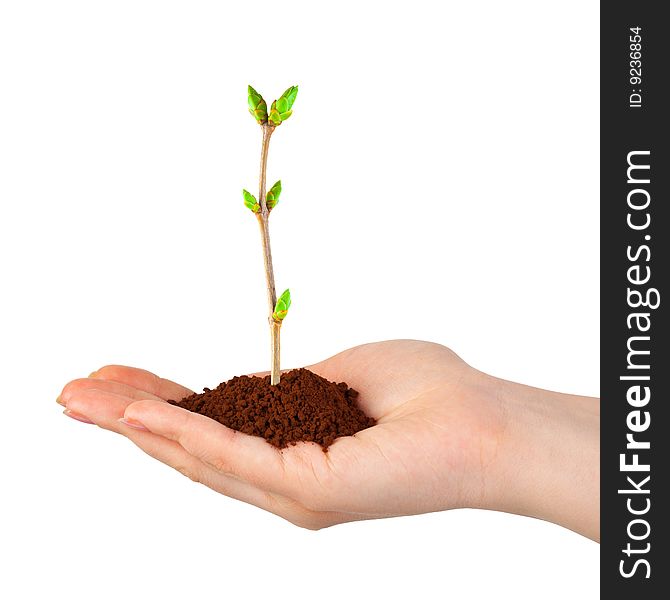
{"x":267,"y":133}
{"x":275,"y":374}
{"x":263,"y":217}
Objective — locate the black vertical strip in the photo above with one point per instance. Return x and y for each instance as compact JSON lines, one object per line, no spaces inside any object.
{"x":634,"y":119}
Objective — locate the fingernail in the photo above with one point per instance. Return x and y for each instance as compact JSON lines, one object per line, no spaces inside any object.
{"x":76,"y":416}
{"x":134,"y":424}
{"x":60,"y":401}
{"x":93,"y":374}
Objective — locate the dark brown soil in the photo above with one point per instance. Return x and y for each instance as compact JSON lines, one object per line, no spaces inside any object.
{"x":302,"y":407}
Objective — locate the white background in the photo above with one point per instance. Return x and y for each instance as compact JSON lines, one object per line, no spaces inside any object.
{"x":440,"y":182}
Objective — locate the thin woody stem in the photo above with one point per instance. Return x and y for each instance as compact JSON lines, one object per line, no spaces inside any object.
{"x":275,"y":330}
{"x":267,"y":133}
{"x":263,"y":217}
{"x":267,"y":260}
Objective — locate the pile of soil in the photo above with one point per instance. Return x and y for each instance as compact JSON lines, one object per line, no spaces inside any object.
{"x":302,"y":407}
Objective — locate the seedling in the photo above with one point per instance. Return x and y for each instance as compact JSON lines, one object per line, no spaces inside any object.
{"x":280,"y":111}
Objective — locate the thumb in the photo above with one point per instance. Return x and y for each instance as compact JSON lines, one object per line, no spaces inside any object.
{"x":228,"y":451}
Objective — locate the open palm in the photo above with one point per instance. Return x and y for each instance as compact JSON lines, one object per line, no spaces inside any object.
{"x":435,"y":433}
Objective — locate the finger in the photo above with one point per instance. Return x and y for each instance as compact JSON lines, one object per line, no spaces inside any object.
{"x":227,"y":451}
{"x":78,"y":386}
{"x":174,"y":455}
{"x":104,"y":407}
{"x":143,"y":380}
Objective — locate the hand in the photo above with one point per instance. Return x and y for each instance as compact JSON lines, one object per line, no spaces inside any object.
{"x":447,"y":436}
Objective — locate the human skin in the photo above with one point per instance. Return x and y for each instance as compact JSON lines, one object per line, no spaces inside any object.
{"x":447,"y":436}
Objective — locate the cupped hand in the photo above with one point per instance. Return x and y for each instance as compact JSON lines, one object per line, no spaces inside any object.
{"x":438,"y":428}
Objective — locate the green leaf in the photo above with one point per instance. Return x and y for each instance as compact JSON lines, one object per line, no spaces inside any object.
{"x":250,"y":201}
{"x":260,"y":115}
{"x":282,"y":306}
{"x":253,"y":98}
{"x":272,"y":197}
{"x":290,"y":95}
{"x":257,"y":106}
{"x":282,"y":104}
{"x":280,"y":110}
{"x":274,"y":116}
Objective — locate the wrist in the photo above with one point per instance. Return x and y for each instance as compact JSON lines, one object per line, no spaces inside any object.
{"x":546,"y":462}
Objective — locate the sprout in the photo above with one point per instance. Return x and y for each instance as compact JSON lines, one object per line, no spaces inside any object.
{"x":273,"y":195}
{"x":281,"y":108}
{"x":250,"y":201}
{"x":279,"y":112}
{"x":257,"y":106}
{"x":282,"y":306}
